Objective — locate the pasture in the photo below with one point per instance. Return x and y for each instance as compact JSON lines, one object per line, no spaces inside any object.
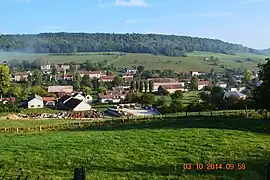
{"x":194,"y":61}
{"x":147,"y":150}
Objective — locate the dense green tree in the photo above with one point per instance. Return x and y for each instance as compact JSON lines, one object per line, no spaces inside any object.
{"x":38,"y":90}
{"x":86,"y":81}
{"x":37,"y":76}
{"x":151,"y":86}
{"x":141,"y":86}
{"x":132,"y":85}
{"x":177,"y":95}
{"x":5,"y":79}
{"x":86,"y":90}
{"x":145,"y":86}
{"x":117,"y":80}
{"x":148,"y":99}
{"x":137,"y":85}
{"x":77,"y":85}
{"x":15,"y":91}
{"x":261,"y":93}
{"x":140,"y":68}
{"x":194,"y":83}
{"x":247,"y":76}
{"x":104,"y":42}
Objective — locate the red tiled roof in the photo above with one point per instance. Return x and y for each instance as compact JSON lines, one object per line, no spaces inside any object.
{"x":128,"y":78}
{"x":90,"y":72}
{"x":163,"y":80}
{"x":107,"y":77}
{"x":203,"y":82}
{"x":60,"y":89}
{"x":46,"y":99}
{"x":173,"y":86}
{"x":8,"y":99}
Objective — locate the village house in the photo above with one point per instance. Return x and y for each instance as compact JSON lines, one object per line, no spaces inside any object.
{"x":221,"y":84}
{"x":162,"y":81}
{"x":114,"y":96}
{"x":106,"y":78}
{"x":92,"y":74}
{"x":62,"y":67}
{"x":60,"y":90}
{"x":68,"y":77}
{"x":202,"y":84}
{"x":196,"y":73}
{"x":130,"y":71}
{"x":239,"y":89}
{"x":127,"y":78}
{"x":35,"y":101}
{"x":80,"y":96}
{"x":45,"y":68}
{"x":171,"y":88}
{"x":20,"y":76}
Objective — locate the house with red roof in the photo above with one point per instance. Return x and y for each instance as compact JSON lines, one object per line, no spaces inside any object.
{"x":202,"y":84}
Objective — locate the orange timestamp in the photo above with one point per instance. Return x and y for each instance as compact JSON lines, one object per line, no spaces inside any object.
{"x":213,"y":166}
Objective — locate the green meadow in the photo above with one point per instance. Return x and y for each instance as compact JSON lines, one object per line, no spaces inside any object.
{"x":194,"y":61}
{"x":146,"y":150}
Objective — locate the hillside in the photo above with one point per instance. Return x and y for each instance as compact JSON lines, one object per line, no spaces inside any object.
{"x":266,"y":51}
{"x":169,"y":45}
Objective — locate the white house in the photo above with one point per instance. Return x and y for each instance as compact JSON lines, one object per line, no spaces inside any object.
{"x":112,"y":96}
{"x":20,"y":76}
{"x":77,"y":105}
{"x":45,"y":68}
{"x":131,"y":71}
{"x":35,"y":102}
{"x":196,"y":73}
{"x":239,"y":89}
{"x":221,"y":84}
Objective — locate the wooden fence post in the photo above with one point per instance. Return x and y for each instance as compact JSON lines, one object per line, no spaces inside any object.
{"x":17,"y":129}
{"x":186,"y":113}
{"x":211,"y":113}
{"x":268,"y":171}
{"x":80,"y":174}
{"x":40,"y":128}
{"x":5,"y":130}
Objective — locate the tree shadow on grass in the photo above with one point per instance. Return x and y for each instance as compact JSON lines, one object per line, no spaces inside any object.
{"x":254,"y":170}
{"x":231,"y":123}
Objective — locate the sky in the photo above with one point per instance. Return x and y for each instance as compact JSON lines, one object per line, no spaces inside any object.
{"x":243,"y":22}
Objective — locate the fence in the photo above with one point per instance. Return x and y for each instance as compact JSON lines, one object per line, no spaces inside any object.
{"x":123,"y":120}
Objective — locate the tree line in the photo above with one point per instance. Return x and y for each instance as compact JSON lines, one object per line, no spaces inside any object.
{"x":169,"y":45}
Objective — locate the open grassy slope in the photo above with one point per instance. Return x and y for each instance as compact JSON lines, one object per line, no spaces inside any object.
{"x":195,"y":61}
{"x":154,"y":150}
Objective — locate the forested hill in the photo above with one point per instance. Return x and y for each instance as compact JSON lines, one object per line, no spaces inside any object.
{"x":170,"y":45}
{"x":266,"y":51}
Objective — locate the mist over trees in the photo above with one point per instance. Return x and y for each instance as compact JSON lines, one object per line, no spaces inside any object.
{"x":169,"y":45}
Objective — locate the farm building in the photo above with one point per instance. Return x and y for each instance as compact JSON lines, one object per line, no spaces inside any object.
{"x":115,"y":96}
{"x":171,"y":88}
{"x":234,"y":94}
{"x":92,"y":74}
{"x":60,"y":90}
{"x":163,"y":81}
{"x":77,"y":105}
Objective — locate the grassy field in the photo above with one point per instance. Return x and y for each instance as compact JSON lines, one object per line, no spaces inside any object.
{"x":154,"y":150}
{"x":195,"y":61}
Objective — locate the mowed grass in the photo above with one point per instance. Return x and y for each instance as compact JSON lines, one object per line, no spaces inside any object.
{"x":154,"y":150}
{"x":194,"y":61}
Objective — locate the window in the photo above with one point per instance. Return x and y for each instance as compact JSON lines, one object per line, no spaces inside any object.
{"x":32,"y":106}
{"x":38,"y":105}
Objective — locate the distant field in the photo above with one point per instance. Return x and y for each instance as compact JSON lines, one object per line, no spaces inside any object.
{"x":195,"y":61}
{"x":155,"y":150}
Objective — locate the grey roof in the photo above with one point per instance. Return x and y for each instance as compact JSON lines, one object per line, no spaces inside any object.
{"x":233,"y":93}
{"x":72,"y":103}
